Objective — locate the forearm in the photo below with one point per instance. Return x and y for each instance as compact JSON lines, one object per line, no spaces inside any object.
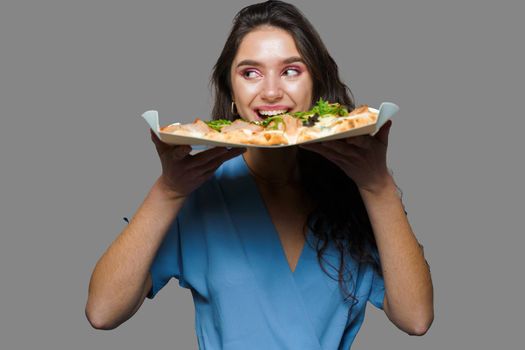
{"x":408,"y":284}
{"x":118,"y":279}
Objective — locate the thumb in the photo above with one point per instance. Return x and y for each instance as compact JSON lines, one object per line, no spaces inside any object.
{"x":382,"y":134}
{"x":159,"y":145}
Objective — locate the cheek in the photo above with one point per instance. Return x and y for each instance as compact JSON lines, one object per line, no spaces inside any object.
{"x":244,"y":92}
{"x":301,"y":91}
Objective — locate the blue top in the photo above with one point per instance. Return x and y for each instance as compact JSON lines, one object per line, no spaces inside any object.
{"x":224,"y":247}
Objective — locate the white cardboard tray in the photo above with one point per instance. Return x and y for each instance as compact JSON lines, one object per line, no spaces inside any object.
{"x":386,"y":111}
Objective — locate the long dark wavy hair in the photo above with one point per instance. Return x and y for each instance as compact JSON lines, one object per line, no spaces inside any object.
{"x":340,"y":215}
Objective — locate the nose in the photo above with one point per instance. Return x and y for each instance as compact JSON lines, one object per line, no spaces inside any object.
{"x":272,"y":89}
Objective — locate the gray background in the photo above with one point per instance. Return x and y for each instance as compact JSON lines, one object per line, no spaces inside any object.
{"x":76,"y":157}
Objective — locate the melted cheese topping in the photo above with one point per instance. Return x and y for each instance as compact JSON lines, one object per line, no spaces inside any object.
{"x":323,"y":127}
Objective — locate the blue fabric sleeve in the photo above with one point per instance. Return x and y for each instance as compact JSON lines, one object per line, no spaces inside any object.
{"x":377,"y":289}
{"x":168,"y":261}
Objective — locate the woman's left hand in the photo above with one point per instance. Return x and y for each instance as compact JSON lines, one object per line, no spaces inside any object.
{"x":362,"y":158}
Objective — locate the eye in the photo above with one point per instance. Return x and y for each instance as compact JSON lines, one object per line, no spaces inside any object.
{"x":292,"y":72}
{"x":250,"y":74}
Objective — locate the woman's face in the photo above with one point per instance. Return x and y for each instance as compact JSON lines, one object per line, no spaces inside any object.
{"x":268,"y":75}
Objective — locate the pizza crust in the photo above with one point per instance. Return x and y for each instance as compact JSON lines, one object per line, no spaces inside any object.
{"x":290,"y":132}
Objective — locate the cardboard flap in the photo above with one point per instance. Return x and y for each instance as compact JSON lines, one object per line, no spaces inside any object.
{"x":152,"y":118}
{"x":386,"y":112}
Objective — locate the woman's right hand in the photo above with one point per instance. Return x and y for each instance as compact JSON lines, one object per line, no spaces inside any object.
{"x":182,"y":172}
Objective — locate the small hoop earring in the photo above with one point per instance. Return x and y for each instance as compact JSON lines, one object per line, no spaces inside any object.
{"x":234,"y":108}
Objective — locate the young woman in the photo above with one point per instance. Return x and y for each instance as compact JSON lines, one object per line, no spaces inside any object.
{"x":281,"y":248}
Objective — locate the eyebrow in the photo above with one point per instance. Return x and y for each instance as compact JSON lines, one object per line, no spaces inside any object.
{"x":258,"y":64}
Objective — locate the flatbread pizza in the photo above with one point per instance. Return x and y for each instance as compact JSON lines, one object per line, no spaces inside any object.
{"x":324,"y":119}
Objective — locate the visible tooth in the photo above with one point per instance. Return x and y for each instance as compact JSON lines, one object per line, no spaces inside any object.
{"x":272,"y":112}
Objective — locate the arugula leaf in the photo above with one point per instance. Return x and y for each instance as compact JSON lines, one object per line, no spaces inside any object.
{"x":218,"y":123}
{"x":302,"y":115}
{"x":321,"y":109}
{"x":276,"y":118}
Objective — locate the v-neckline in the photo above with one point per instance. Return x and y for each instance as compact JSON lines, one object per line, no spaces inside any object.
{"x":268,"y":218}
{"x":262,"y":272}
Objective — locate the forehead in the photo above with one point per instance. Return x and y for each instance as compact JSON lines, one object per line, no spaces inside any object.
{"x":267,"y":44}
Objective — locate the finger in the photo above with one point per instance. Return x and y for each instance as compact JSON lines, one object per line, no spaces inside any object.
{"x":382,"y":134}
{"x":327,"y":152}
{"x":343,"y":149}
{"x":310,"y":146}
{"x":339,"y":145}
{"x":317,"y":147}
{"x":208,"y":173}
{"x":206,"y":156}
{"x":159,"y":145}
{"x":217,"y":161}
{"x":362,"y":141}
{"x":180,"y":152}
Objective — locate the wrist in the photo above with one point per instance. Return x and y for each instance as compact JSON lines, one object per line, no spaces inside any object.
{"x":164,"y":191}
{"x":384,"y":187}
